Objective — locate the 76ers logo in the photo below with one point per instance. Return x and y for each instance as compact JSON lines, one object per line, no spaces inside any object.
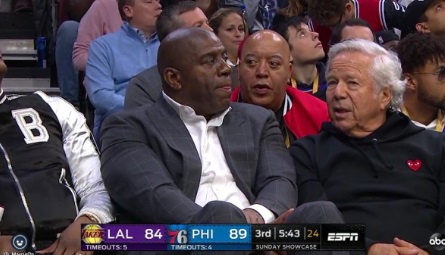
{"x":177,"y":234}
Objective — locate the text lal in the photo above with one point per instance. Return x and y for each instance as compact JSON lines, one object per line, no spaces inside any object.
{"x":120,"y":234}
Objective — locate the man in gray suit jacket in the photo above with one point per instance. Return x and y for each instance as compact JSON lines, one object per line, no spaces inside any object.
{"x":193,"y":156}
{"x":146,"y":87}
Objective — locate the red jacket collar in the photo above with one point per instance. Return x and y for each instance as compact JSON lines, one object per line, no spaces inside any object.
{"x":304,"y":115}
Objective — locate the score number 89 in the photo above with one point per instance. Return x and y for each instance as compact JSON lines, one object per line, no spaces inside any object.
{"x":237,"y":233}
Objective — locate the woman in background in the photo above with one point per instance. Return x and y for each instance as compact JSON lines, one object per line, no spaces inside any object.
{"x":231,"y":28}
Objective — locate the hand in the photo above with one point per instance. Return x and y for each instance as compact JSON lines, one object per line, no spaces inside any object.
{"x":391,"y":249}
{"x":253,"y":217}
{"x":283,"y":217}
{"x":69,"y":241}
{"x":401,"y":243}
{"x":5,"y":245}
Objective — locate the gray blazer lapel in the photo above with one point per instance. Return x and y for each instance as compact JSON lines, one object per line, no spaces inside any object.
{"x":237,"y":143}
{"x":176,"y":135}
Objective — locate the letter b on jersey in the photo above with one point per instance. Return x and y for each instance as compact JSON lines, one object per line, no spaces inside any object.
{"x":30,"y":124}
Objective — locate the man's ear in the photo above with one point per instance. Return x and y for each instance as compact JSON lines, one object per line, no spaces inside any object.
{"x":173,"y":78}
{"x":128,"y":11}
{"x":348,"y":8}
{"x":291,"y":67}
{"x":411,"y":82}
{"x":422,"y":27}
{"x":385,"y":97}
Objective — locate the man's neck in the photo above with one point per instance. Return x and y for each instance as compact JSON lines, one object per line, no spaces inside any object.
{"x":367,"y":129}
{"x":419,"y":111}
{"x":305,"y":73}
{"x":148,"y":31}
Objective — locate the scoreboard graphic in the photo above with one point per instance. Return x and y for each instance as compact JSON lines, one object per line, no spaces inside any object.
{"x":222,"y":237}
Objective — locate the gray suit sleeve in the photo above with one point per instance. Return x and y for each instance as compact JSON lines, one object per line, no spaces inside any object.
{"x":276,"y":176}
{"x":136,"y":178}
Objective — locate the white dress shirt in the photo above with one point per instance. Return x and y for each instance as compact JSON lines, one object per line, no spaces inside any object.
{"x":217,"y":182}
{"x":431,"y":126}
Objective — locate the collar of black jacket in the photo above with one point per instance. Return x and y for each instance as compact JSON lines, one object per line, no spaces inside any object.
{"x":396,"y":126}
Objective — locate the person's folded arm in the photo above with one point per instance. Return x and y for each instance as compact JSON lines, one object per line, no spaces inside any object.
{"x":101,"y":87}
{"x":275,"y":180}
{"x":310,"y":188}
{"x":136,"y":178}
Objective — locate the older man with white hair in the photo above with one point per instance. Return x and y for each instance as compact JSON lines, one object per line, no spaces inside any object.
{"x":371,"y":161}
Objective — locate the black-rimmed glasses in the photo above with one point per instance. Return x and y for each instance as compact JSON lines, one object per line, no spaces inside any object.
{"x":440,"y":74}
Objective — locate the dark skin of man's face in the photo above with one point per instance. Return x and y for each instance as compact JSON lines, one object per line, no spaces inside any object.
{"x":203,"y":75}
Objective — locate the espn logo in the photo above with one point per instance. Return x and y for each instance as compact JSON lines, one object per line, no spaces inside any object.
{"x":342,"y":237}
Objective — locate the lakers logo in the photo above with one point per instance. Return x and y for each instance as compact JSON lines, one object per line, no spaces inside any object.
{"x":92,"y":234}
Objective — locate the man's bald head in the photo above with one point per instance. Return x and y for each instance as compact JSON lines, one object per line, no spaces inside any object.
{"x":179,"y":46}
{"x":264,"y":36}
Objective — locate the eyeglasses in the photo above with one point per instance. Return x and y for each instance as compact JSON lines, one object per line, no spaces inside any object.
{"x":440,"y":74}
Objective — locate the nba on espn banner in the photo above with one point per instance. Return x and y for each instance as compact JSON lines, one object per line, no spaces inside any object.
{"x":245,"y":237}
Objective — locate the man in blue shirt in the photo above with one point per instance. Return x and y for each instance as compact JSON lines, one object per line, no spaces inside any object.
{"x":115,"y":58}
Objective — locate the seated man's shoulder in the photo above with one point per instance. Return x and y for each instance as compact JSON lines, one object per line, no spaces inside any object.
{"x":430,"y":136}
{"x":252,"y":111}
{"x":36,"y":95}
{"x":149,"y":74}
{"x":107,"y":40}
{"x":135,"y":114}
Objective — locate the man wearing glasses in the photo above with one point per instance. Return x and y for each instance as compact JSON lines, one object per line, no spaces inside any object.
{"x":381,"y":15}
{"x":423,"y":63}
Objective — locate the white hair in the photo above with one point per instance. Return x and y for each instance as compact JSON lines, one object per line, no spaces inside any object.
{"x":386,"y":69}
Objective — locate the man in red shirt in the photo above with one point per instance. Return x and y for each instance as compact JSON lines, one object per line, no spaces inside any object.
{"x":264,"y":69}
{"x":381,"y":15}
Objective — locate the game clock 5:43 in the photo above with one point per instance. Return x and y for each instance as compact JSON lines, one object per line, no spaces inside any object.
{"x":289,"y":233}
